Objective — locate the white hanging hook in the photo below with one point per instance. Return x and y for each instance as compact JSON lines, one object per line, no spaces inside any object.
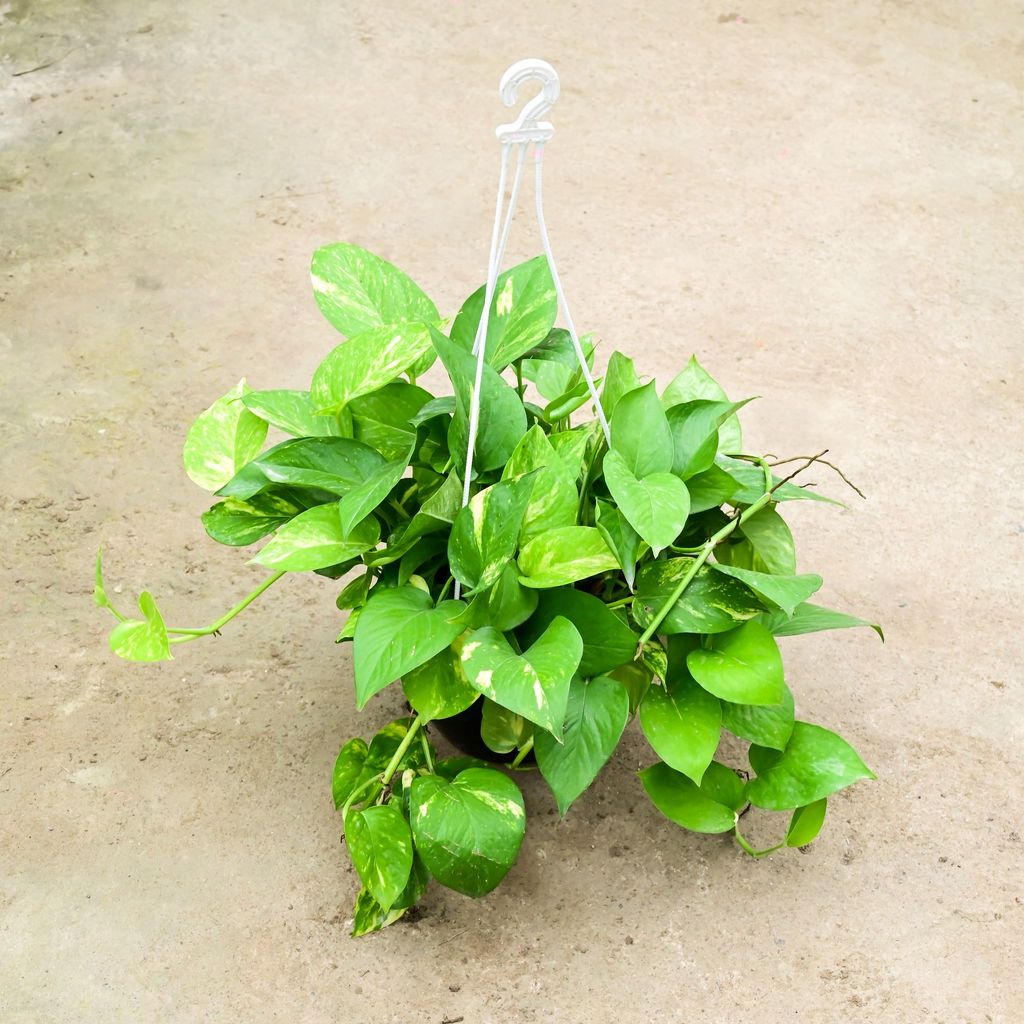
{"x":528,"y":126}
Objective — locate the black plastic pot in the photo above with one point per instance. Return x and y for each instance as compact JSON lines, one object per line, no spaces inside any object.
{"x":462,"y":731}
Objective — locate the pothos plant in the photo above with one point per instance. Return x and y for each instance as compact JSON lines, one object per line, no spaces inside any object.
{"x":649,"y":577}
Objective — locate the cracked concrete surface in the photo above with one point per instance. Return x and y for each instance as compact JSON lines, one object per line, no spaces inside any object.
{"x":823,"y":201}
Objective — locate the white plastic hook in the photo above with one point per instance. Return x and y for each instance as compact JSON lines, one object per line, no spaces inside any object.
{"x":528,"y":127}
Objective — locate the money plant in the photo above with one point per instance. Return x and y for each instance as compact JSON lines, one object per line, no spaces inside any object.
{"x":584,"y":584}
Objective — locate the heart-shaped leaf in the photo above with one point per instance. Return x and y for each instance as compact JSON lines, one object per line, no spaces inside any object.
{"x":238,"y":523}
{"x":694,"y":427}
{"x":364,"y":498}
{"x":332,"y":464}
{"x":743,"y":666}
{"x":784,"y":592}
{"x":768,"y":725}
{"x":348,"y":770}
{"x":696,"y":383}
{"x":565,"y":555}
{"x":504,"y":420}
{"x":222,"y":439}
{"x":553,"y":498}
{"x":142,"y":640}
{"x":380,"y":845}
{"x":468,"y":832}
{"x":357,"y":290}
{"x":656,"y":505}
{"x":553,"y":366}
{"x":698,"y":808}
{"x":292,"y":412}
{"x":534,"y":684}
{"x":815,"y":764}
{"x":607,"y":641}
{"x":438,"y":688}
{"x":806,"y":822}
{"x":619,"y":536}
{"x":509,"y":603}
{"x":383,"y":420}
{"x":398,"y":630}
{"x":365,"y":363}
{"x":640,"y":432}
{"x":502,"y":730}
{"x":595,"y":717}
{"x":682,"y":722}
{"x":711,"y":603}
{"x":772,"y":542}
{"x":812,"y":618}
{"x":315,"y":540}
{"x":710,"y":489}
{"x":523,"y":311}
{"x":620,"y":379}
{"x":486,"y":532}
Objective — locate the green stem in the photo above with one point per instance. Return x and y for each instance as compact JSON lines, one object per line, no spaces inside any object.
{"x":621,"y":603}
{"x":520,"y":386}
{"x":705,"y":553}
{"x":426,"y":751}
{"x":355,"y":793}
{"x":402,"y":748}
{"x":184,"y":635}
{"x":444,"y":590}
{"x":523,"y":751}
{"x":747,"y":848}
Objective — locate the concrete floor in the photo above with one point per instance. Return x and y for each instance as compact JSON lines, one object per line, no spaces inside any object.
{"x":822,"y":200}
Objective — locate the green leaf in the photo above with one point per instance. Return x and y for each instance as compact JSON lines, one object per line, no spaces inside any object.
{"x":812,"y":618}
{"x":595,"y":717}
{"x":365,"y":363}
{"x":636,"y":678}
{"x":398,"y":630}
{"x":682,"y":722}
{"x":523,"y":311}
{"x":355,"y":506}
{"x":623,"y":540}
{"x":145,"y":639}
{"x":503,"y":730}
{"x":384,"y":746}
{"x":783,"y":592}
{"x":806,"y":822}
{"x":815,"y":764}
{"x":99,"y":593}
{"x":368,"y":915}
{"x":710,"y":489}
{"x":437,"y":512}
{"x":332,"y":464}
{"x":640,"y":432}
{"x":468,"y":832}
{"x":554,"y":498}
{"x":438,"y":688}
{"x":722,"y":784}
{"x":564,"y":555}
{"x":238,"y":523}
{"x":567,"y":403}
{"x":695,"y":427}
{"x":534,"y":684}
{"x":451,"y":767}
{"x":509,"y":603}
{"x":354,"y":592}
{"x":711,"y":603}
{"x":695,"y":383}
{"x":348,"y":770}
{"x":762,"y":758}
{"x":772,"y":542}
{"x":380,"y":845}
{"x":222,"y":440}
{"x":681,"y":800}
{"x":383,"y":420}
{"x":743,"y":666}
{"x":315,"y":540}
{"x":620,"y":379}
{"x":571,"y":446}
{"x":485,"y":533}
{"x":749,"y":482}
{"x":292,"y":412}
{"x":607,"y":641}
{"x":503,"y":419}
{"x":553,"y":366}
{"x":357,"y":290}
{"x":656,"y":506}
{"x":768,"y":725}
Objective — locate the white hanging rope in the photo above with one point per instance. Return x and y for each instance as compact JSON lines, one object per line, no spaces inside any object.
{"x":538,"y":160}
{"x":526,"y":131}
